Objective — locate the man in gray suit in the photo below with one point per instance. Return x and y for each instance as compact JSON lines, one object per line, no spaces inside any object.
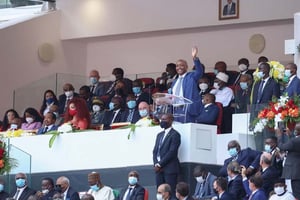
{"x":204,"y":188}
{"x":291,"y":166}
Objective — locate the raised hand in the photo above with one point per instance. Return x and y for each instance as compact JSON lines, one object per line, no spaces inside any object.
{"x":194,"y":52}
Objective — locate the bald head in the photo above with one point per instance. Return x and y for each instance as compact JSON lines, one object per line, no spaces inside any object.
{"x":93,"y":178}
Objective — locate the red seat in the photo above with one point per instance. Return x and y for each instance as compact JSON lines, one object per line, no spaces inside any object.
{"x":220,"y":117}
{"x":148,"y":84}
{"x":146,"y":195}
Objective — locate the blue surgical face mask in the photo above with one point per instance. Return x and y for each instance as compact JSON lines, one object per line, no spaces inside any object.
{"x":49,"y":101}
{"x":95,"y":187}
{"x":111,"y":106}
{"x":143,"y":113}
{"x":216,"y":71}
{"x":1,"y":187}
{"x":244,"y":85}
{"x":131,"y":104}
{"x":20,"y":182}
{"x":93,"y":80}
{"x":170,"y":91}
{"x":287,"y":72}
{"x":136,"y":90}
{"x":268,"y":148}
{"x":260,"y":74}
{"x":132,"y":180}
{"x":232,"y":152}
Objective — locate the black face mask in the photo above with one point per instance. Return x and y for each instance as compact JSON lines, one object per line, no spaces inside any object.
{"x":215,"y":191}
{"x":164,"y":124}
{"x":58,"y":188}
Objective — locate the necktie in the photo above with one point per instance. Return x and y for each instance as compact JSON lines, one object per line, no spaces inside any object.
{"x":109,"y":91}
{"x":66,"y":104}
{"x":179,"y":85}
{"x":228,"y":9}
{"x":45,"y":129}
{"x":130,"y":115}
{"x":16,"y":196}
{"x":128,"y":194}
{"x":92,"y":89}
{"x":160,"y":144}
{"x":237,"y":79}
{"x":115,"y":113}
{"x":260,"y":91}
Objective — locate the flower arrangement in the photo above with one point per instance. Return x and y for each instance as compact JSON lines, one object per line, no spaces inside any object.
{"x":6,"y":163}
{"x":64,"y":128}
{"x":284,"y":109}
{"x":276,"y":71}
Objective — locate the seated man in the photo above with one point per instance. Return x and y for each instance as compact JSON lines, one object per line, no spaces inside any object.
{"x":134,"y":190}
{"x":131,"y":113}
{"x":204,"y":188}
{"x":49,"y":124}
{"x":97,"y":113}
{"x":246,"y":157}
{"x":164,"y":192}
{"x":115,"y":113}
{"x":144,"y":111}
{"x":209,"y":113}
{"x":66,"y":97}
{"x":97,"y":189}
{"x":235,"y":180}
{"x":137,"y":89}
{"x":182,"y":191}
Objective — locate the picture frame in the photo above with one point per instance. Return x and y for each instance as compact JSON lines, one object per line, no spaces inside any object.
{"x":227,"y":11}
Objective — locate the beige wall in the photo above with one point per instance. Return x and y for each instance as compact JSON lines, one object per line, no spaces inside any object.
{"x":141,"y":36}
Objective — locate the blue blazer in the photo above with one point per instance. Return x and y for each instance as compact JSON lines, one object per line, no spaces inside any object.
{"x":168,"y":151}
{"x":208,"y":189}
{"x":293,"y":88}
{"x":247,"y":157}
{"x":258,"y":195}
{"x":191,"y":91}
{"x":271,"y":89}
{"x":72,"y":194}
{"x":136,"y":116}
{"x":269,"y":176}
{"x":208,"y":115}
{"x":40,"y":131}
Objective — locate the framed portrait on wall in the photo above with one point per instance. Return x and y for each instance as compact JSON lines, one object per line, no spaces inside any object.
{"x":228,"y":9}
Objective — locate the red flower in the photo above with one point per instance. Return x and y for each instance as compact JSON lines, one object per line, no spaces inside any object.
{"x":2,"y":151}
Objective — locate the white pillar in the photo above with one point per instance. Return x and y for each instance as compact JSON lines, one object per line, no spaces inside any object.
{"x":297,"y":40}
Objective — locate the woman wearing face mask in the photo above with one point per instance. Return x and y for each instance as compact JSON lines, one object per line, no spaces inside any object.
{"x":77,"y":114}
{"x":49,"y":100}
{"x":31,"y":120}
{"x":8,"y":118}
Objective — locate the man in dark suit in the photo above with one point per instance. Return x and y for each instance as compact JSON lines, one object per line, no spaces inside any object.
{"x":220,"y":186}
{"x":243,"y":65}
{"x":204,"y":188}
{"x":164,"y":192}
{"x":247,"y":157}
{"x":134,"y":190}
{"x":242,"y":94}
{"x":229,"y":8}
{"x":49,"y":123}
{"x":210,"y":112}
{"x":165,"y":153}
{"x":263,"y":92}
{"x":96,"y":88}
{"x":235,"y":181}
{"x":186,"y":85}
{"x":131,"y":114}
{"x":119,"y":75}
{"x":63,"y":186}
{"x":140,"y":95}
{"x":66,"y":97}
{"x":291,"y":166}
{"x":182,"y":191}
{"x":268,"y":174}
{"x":47,"y":189}
{"x":293,"y":82}
{"x":115,"y":113}
{"x":23,"y":191}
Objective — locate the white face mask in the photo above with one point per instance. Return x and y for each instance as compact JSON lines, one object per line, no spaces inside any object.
{"x":159,"y":196}
{"x":279,"y":190}
{"x":199,"y":179}
{"x":69,"y":93}
{"x":216,"y":85}
{"x":45,"y":191}
{"x":29,"y":120}
{"x":96,"y":108}
{"x":242,"y":67}
{"x":203,"y":86}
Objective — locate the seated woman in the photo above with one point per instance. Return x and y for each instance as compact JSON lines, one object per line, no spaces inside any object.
{"x":77,"y":114}
{"x":8,"y":118}
{"x":49,"y":100}
{"x":31,"y":120}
